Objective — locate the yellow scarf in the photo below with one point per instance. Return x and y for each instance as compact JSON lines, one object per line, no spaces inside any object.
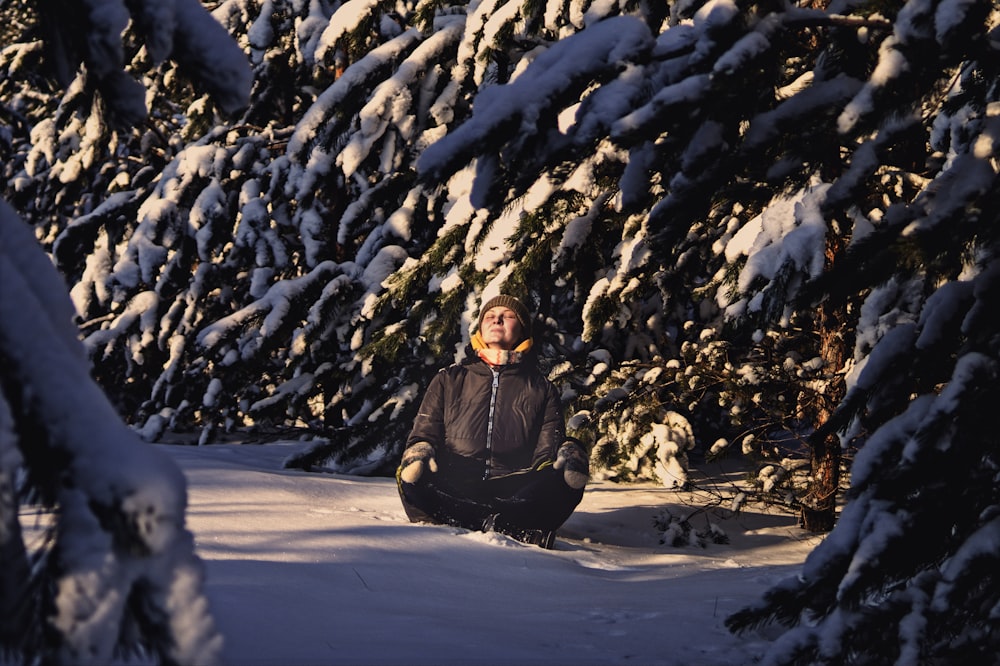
{"x":499,"y":356}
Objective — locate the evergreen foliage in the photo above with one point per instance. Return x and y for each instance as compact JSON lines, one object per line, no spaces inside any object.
{"x":761,"y":225}
{"x":108,"y":570}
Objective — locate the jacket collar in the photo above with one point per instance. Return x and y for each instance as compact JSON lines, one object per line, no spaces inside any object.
{"x":499,"y":357}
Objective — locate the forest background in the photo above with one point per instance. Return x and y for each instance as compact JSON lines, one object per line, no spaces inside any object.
{"x":748,"y":229}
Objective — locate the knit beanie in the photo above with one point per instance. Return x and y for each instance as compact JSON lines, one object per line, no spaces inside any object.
{"x":523,"y":316}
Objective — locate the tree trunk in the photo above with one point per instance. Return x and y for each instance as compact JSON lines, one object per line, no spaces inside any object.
{"x":818,"y":512}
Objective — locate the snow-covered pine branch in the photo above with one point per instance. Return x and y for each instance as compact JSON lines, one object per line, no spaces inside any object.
{"x":555,"y":78}
{"x":182,"y":29}
{"x":120,"y":554}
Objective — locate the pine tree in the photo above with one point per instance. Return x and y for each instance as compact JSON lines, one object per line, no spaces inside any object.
{"x":744,"y":225}
{"x":115,"y":572}
{"x":334,"y":201}
{"x":780,"y":154}
{"x":910,"y":556}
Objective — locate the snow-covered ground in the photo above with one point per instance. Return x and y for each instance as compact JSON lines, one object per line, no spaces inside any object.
{"x":309,"y":568}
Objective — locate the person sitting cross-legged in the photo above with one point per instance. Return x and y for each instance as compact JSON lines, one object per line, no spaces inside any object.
{"x":488,"y":449}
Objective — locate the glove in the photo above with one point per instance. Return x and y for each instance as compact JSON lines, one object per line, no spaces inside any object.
{"x":575,"y":463}
{"x":415,"y":458}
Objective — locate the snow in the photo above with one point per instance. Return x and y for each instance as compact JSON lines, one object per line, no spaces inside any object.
{"x":182,"y":29}
{"x":558,"y":69}
{"x":892,"y":63}
{"x":949,"y":16}
{"x":320,"y":115}
{"x":108,"y":20}
{"x":274,"y":307}
{"x":306,"y":568}
{"x":345,"y":20}
{"x":691,"y":89}
{"x":981,"y":545}
{"x":121,"y":526}
{"x":391,"y":101}
{"x":491,"y":249}
{"x":789,"y":231}
{"x":221,"y":66}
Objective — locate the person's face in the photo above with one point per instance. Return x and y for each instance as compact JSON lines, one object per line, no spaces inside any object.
{"x":501,"y":329}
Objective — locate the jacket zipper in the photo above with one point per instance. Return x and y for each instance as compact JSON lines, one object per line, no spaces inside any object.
{"x":489,"y":423}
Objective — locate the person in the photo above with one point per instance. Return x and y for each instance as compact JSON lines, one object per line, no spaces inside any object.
{"x":488,"y":449}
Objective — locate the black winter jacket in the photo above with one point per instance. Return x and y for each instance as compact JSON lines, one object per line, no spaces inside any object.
{"x":484,"y":422}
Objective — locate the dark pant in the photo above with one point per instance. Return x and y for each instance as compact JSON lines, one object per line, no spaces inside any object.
{"x":531,"y":500}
